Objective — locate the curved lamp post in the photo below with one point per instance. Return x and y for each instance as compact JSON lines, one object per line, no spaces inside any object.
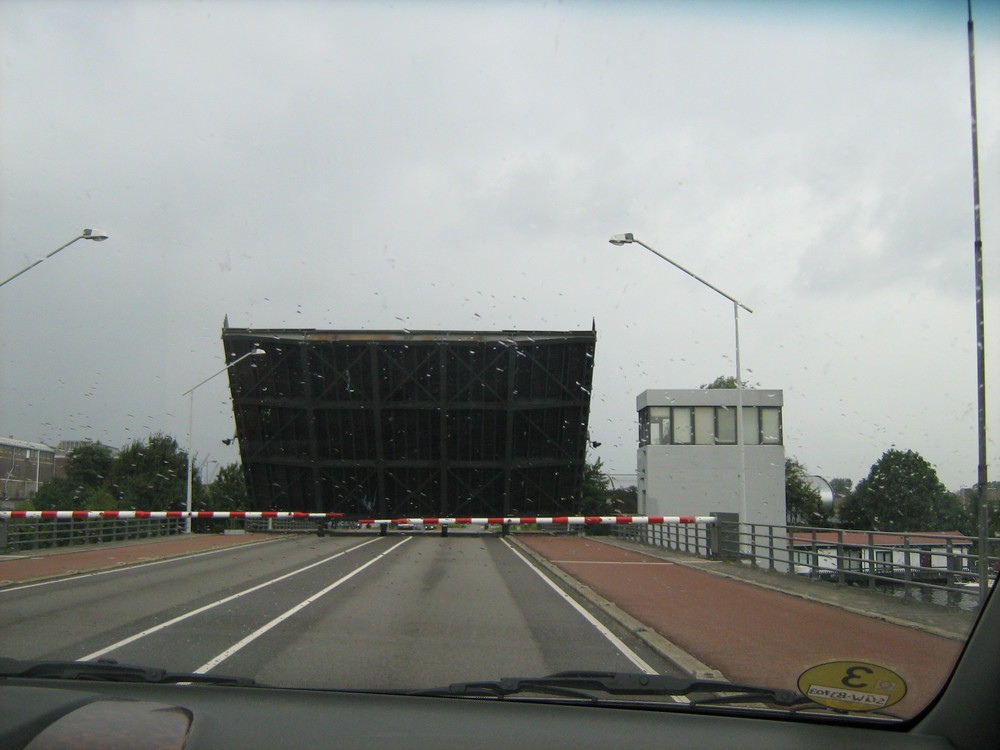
{"x":256,"y":352}
{"x":87,"y":234}
{"x":624,"y":239}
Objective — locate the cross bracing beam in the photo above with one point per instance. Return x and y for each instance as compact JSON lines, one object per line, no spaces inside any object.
{"x":414,"y":408}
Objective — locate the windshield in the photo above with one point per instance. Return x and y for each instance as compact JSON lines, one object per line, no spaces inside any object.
{"x":500,"y":340}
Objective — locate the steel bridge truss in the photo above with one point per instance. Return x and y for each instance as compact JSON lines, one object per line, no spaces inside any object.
{"x":402,"y":424}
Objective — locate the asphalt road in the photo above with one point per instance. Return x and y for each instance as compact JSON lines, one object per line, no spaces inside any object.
{"x":401,"y":611}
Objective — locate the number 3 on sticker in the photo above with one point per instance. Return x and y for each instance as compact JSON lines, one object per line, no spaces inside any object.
{"x":852,"y":686}
{"x":853,"y":678}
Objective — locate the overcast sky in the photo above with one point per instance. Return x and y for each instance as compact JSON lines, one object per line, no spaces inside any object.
{"x":462,"y":166}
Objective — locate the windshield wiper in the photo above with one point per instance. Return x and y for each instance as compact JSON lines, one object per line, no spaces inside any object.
{"x":109,"y":670}
{"x":574,"y":683}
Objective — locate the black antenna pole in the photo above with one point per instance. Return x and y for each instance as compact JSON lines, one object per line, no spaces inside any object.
{"x":983,"y":510}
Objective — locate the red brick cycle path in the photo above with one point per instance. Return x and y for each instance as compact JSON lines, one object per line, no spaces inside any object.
{"x":33,"y":565}
{"x":749,"y":633}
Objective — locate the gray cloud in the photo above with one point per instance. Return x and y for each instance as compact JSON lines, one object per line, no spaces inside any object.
{"x":437,"y":165}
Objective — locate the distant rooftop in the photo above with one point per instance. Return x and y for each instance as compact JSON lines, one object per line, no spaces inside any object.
{"x":26,"y":445}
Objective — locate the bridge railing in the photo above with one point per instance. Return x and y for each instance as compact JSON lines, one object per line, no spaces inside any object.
{"x":910,"y":563}
{"x":26,"y":534}
{"x":31,"y":529}
{"x":23,"y":530}
{"x":702,"y":539}
{"x":913,"y":562}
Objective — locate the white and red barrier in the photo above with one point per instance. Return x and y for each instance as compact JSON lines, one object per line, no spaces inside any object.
{"x":302,"y":516}
{"x":133,"y":514}
{"x":546,"y":520}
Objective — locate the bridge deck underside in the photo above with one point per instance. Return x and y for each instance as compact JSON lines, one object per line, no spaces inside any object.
{"x":413,"y":424}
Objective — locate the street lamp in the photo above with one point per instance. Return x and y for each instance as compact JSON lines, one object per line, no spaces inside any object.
{"x":982,"y":509}
{"x":627,"y":238}
{"x":87,"y":234}
{"x":256,"y":352}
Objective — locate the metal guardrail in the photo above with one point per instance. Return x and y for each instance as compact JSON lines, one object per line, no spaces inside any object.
{"x":279,"y":525}
{"x":914,"y":561}
{"x":19,"y":535}
{"x":690,"y":538}
{"x":909,"y":561}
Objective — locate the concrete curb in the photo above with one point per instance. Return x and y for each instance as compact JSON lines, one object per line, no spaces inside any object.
{"x":671,"y":652}
{"x":699,"y":565}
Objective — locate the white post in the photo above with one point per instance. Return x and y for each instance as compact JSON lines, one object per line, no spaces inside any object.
{"x":187,"y":505}
{"x":739,"y":419}
{"x":190,"y":392}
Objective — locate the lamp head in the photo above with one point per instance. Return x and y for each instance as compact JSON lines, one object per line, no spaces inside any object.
{"x":621,"y":239}
{"x":94,"y":234}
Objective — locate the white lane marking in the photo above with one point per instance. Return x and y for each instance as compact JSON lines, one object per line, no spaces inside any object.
{"x":212,"y":663}
{"x":205,"y":608}
{"x":119,"y":569}
{"x":617,"y":642}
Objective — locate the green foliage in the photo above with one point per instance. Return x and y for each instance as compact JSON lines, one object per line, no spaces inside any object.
{"x":151,"y":475}
{"x":723,"y":382}
{"x":599,"y":499}
{"x":98,"y":498}
{"x":624,"y":501}
{"x":803,"y":504}
{"x":594,"y":496}
{"x":596,"y":499}
{"x":85,"y":483}
{"x":229,"y":490}
{"x":89,"y":465}
{"x":902,"y":492}
{"x":60,"y":493}
{"x":953,"y":514}
{"x":841,"y":486}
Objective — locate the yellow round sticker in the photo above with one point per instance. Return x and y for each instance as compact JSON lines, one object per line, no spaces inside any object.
{"x":852,"y":686}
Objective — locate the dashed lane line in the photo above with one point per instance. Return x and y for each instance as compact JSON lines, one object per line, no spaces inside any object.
{"x":180,"y":618}
{"x":239,"y":645}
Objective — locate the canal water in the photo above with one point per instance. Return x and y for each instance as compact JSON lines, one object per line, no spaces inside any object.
{"x":967,"y":598}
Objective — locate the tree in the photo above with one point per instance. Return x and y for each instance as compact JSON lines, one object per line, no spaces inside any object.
{"x":841,"y":486}
{"x":146,"y":475}
{"x":89,"y":465}
{"x":595,"y":498}
{"x":98,"y":498}
{"x":803,"y":504}
{"x":85,"y":484}
{"x":902,"y":492}
{"x":594,"y":495}
{"x":954,"y":514}
{"x":723,"y":382}
{"x":152,"y":475}
{"x":60,"y":493}
{"x":228,"y":491}
{"x":624,"y":501}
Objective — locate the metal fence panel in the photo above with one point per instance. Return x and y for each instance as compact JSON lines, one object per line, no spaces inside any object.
{"x":914,"y":561}
{"x":20,"y":535}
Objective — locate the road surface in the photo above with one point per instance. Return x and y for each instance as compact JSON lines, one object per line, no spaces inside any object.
{"x":337,"y":612}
